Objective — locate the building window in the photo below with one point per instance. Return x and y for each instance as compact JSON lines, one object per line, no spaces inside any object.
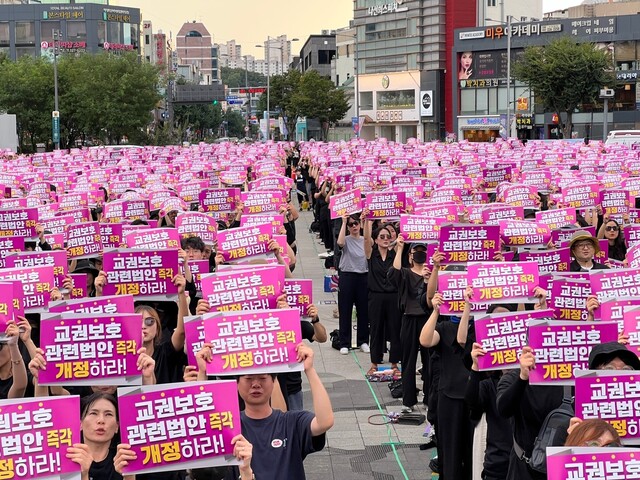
{"x":397,"y":99}
{"x":102,"y":32}
{"x":4,"y":33}
{"x":491,"y":3}
{"x":113,"y":32}
{"x":77,"y":31}
{"x":47,"y":29}
{"x":25,"y":33}
{"x":325,"y":56}
{"x":366,"y":100}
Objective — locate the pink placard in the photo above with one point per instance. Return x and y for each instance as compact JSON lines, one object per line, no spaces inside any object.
{"x":557,"y":218}
{"x":209,"y":411}
{"x":141,"y":273}
{"x":116,"y":212}
{"x":346,"y":203}
{"x":262,"y":201}
{"x":50,"y":258}
{"x":41,"y":430}
{"x":79,"y":285}
{"x":525,"y":196}
{"x":516,"y":233}
{"x":10,"y":245}
{"x":569,"y":298}
{"x":452,"y":286}
{"x":253,"y":342}
{"x":299,"y":294}
{"x":83,"y":240}
{"x":106,"y":305}
{"x":91,"y":349}
{"x":275,"y":219}
{"x":196,"y":224}
{"x":153,"y":239}
{"x":244,"y":242}
{"x":420,"y":228}
{"x":564,"y":463}
{"x":19,"y":222}
{"x":615,"y":202}
{"x":502,"y":282}
{"x":36,"y":284}
{"x":463,"y":243}
{"x":503,"y":335}
{"x":549,"y":261}
{"x":111,"y":235}
{"x":194,"y":337}
{"x":244,"y":288}
{"x":563,"y":347}
{"x":7,"y":312}
{"x":493,"y":213}
{"x":610,"y":396}
{"x":581,"y":195}
{"x":386,"y":204}
{"x":617,"y":283}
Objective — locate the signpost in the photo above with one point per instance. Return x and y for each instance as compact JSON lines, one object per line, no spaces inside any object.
{"x":55,"y":126}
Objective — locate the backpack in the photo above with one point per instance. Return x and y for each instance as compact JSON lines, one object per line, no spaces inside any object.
{"x":335,"y":339}
{"x":553,"y":433}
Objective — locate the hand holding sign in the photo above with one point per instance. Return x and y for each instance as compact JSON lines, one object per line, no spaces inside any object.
{"x":527,"y":363}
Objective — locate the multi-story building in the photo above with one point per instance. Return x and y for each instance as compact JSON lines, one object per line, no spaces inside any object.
{"x":404,"y":65}
{"x":480,"y":99}
{"x":317,"y":53}
{"x":194,"y":46}
{"x":28,"y":29}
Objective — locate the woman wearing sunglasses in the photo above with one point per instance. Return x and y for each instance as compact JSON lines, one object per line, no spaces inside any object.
{"x":593,"y":433}
{"x":384,"y":315}
{"x":613,"y":232}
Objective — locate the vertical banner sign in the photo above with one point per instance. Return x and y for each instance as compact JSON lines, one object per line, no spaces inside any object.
{"x":91,"y":350}
{"x":563,"y":347}
{"x":253,"y":342}
{"x":179,"y":425}
{"x":36,"y":433}
{"x":141,"y":273}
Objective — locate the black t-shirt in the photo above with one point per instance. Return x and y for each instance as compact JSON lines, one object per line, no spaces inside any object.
{"x":453,"y":375}
{"x":5,"y":386}
{"x":409,"y":285}
{"x":104,"y":470}
{"x":378,"y":281}
{"x":169,"y":363}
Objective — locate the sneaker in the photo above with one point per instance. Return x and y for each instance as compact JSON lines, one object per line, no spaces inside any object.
{"x":406,"y":409}
{"x":364,"y":348}
{"x":344,"y":351}
{"x":434,"y":465}
{"x":323,"y":255}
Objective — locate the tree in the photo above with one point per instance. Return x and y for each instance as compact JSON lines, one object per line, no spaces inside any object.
{"x":239,"y":78}
{"x":235,"y":123}
{"x":281,"y":90}
{"x":199,"y":119}
{"x":565,"y":74}
{"x":317,"y":97}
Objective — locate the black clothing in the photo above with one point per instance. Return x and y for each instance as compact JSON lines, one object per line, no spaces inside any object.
{"x":409,"y":285}
{"x":480,"y":397}
{"x":527,"y":406}
{"x":353,"y":290}
{"x":575,"y":266}
{"x":618,"y":251}
{"x":104,"y":470}
{"x":169,"y":363}
{"x":410,"y":344}
{"x":378,"y":280}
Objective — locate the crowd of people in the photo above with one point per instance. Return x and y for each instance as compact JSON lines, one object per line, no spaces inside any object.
{"x":388,"y":278}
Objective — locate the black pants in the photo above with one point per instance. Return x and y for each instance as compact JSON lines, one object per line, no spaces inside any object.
{"x":519,"y":470}
{"x":410,"y":345}
{"x":352,"y":290}
{"x":454,"y":438}
{"x":385,"y":321}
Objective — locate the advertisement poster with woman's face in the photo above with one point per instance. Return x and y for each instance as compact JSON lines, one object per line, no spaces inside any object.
{"x":466,"y":60}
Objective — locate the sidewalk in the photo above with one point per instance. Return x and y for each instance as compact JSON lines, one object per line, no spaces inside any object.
{"x":355,"y":449}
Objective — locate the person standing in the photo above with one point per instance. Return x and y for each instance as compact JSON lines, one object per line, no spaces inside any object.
{"x":384,"y":315}
{"x":352,"y":288}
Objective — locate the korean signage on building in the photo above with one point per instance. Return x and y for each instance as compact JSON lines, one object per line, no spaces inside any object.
{"x":381,"y":7}
{"x":524,"y":121}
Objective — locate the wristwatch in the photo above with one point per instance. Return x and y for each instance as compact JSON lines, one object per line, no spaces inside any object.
{"x":317,"y":320}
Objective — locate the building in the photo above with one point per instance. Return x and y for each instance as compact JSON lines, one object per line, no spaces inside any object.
{"x":597,"y":9}
{"x":480,"y":100}
{"x":194,"y":46}
{"x":84,"y":27}
{"x":317,"y":53}
{"x":404,"y":64}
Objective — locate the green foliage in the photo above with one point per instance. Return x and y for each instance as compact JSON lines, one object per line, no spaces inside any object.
{"x":199,"y":118}
{"x":104,"y":97}
{"x":565,"y":74}
{"x":236,"y":78}
{"x":309,"y":95}
{"x":235,"y":123}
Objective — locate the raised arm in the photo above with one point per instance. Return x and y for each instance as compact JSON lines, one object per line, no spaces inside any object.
{"x":428,"y":336}
{"x":323,"y":420}
{"x":178,"y":336}
{"x":463,"y":326}
{"x":343,"y":231}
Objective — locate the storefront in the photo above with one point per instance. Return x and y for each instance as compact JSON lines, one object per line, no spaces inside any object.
{"x":480,"y":129}
{"x":395,"y":107}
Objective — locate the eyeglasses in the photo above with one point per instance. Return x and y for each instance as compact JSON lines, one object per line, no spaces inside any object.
{"x":611,"y":228}
{"x":352,"y":224}
{"x":384,"y":237}
{"x":595,"y":443}
{"x":584,"y":244}
{"x":612,"y":367}
{"x":149,"y":321}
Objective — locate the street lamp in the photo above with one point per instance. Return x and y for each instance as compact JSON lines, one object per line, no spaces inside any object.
{"x":509,"y":17}
{"x":268,"y":47}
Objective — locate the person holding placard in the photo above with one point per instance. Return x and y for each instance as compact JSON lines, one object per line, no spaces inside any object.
{"x":584,"y":247}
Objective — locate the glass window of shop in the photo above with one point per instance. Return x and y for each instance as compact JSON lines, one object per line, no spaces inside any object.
{"x":25,"y":52}
{"x":407,"y":132}
{"x":102,"y":32}
{"x":77,"y":31}
{"x":47,"y":28}
{"x":396,"y":99}
{"x":4,"y":34}
{"x":25,"y":33}
{"x":627,"y":56}
{"x":366,"y":100}
{"x":467,"y":101}
{"x":114,"y":32}
{"x":135,"y":35}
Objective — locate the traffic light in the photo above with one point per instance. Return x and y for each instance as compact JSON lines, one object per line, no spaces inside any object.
{"x":215,"y":102}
